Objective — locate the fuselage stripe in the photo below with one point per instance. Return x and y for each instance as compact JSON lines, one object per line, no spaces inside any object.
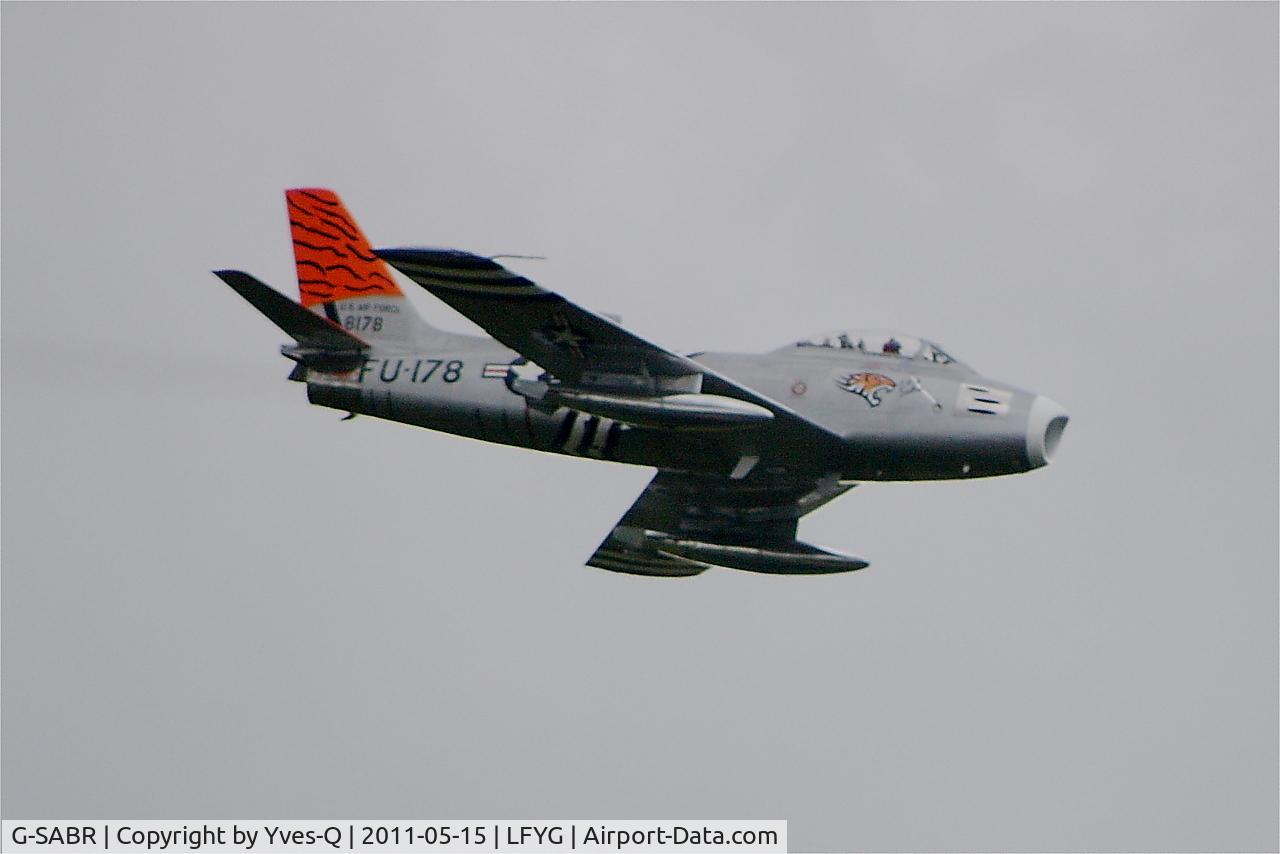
{"x":588,"y":435}
{"x":575,"y":435}
{"x":601,"y":437}
{"x":611,"y":440}
{"x":566,"y":425}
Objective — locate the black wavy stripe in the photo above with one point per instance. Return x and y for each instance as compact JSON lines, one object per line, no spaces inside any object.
{"x":317,"y":248}
{"x":342,"y":225}
{"x":309,"y":286}
{"x":334,"y":220}
{"x":363,"y":257}
{"x":326,"y":268}
{"x":314,"y":197}
{"x":309,"y":229}
{"x":306,"y":262}
{"x":352,"y":270}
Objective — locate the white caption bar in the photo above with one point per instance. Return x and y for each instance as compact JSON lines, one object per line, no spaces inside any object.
{"x":390,"y":836}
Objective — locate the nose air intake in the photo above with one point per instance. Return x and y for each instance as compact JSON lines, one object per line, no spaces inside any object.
{"x":1045,"y":426}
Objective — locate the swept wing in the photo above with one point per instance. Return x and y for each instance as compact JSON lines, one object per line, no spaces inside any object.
{"x":587,"y":352}
{"x":682,"y":522}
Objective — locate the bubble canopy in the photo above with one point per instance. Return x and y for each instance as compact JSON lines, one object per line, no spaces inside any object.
{"x":878,"y":342}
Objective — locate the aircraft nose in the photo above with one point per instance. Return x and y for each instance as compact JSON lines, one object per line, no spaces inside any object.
{"x":1045,"y":425}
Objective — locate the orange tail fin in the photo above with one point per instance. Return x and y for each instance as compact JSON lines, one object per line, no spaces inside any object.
{"x":335,"y":261}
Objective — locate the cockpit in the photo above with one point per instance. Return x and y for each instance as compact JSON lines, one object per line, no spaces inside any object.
{"x":880,"y":343}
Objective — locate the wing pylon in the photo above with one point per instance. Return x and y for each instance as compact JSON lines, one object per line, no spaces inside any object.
{"x":683,"y":523}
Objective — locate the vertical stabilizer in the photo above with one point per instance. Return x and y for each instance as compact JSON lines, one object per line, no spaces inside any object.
{"x":340,"y":277}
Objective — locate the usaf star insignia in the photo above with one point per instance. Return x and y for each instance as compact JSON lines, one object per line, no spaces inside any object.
{"x":559,"y":333}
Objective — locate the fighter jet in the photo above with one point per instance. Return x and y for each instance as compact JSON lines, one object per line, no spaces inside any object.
{"x":744,"y":443}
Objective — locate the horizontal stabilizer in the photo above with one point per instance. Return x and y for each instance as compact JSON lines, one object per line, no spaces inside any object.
{"x":310,"y":330}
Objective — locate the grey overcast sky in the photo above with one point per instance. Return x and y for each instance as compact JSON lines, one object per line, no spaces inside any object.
{"x":220,"y":602}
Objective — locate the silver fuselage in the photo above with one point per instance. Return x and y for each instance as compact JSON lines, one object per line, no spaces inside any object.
{"x":900,"y":419}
